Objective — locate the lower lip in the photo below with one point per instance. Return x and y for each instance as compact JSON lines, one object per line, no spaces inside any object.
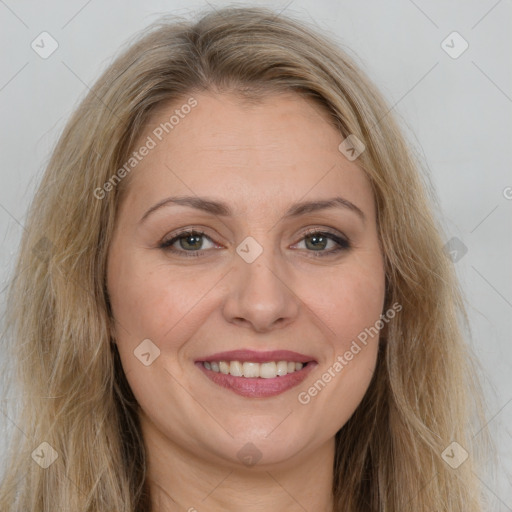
{"x":258,"y":387}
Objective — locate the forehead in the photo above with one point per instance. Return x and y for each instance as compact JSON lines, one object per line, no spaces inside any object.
{"x":282,"y":143}
{"x":232,"y":124}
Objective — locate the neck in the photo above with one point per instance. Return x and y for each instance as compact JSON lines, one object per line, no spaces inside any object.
{"x":179,"y":480}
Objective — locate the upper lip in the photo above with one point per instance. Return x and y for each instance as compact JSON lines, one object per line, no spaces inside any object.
{"x":258,"y":357}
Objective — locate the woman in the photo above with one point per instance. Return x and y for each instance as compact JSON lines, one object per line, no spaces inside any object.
{"x":232,"y":293}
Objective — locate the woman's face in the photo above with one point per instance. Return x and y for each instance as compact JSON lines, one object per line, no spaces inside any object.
{"x":197,"y":316}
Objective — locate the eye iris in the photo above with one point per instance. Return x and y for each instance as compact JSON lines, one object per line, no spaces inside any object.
{"x":195,"y":237}
{"x":315,"y":239}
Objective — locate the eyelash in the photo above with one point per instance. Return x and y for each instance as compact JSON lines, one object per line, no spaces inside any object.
{"x":343,"y":243}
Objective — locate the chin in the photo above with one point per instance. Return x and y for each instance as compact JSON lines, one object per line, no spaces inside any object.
{"x":263,"y":447}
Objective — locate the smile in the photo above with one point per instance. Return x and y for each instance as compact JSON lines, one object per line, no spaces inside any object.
{"x":268,"y":370}
{"x":257,"y":374}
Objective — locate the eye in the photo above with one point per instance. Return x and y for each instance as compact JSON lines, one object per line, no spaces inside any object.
{"x":190,"y":243}
{"x":319,"y":240}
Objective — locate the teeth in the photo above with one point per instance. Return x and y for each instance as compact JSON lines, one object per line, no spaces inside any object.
{"x":236,"y":369}
{"x":268,"y":370}
{"x":282,"y":368}
{"x":251,"y":369}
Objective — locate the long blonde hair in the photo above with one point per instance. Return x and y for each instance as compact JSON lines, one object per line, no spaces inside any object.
{"x":72,"y":390}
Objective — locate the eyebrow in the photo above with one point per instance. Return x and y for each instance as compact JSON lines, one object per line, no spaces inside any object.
{"x":222,"y":209}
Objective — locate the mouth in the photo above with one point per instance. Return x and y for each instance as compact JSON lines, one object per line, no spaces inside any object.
{"x":257,"y":374}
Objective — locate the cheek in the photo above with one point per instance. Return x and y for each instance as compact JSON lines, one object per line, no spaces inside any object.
{"x":352,"y":300}
{"x":152,"y":301}
{"x":149,"y":302}
{"x":148,"y":298}
{"x":351,"y":307}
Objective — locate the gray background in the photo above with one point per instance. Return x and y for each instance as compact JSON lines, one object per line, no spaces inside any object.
{"x":455,"y":111}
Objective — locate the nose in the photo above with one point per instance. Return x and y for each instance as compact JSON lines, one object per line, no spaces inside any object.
{"x":260,"y":295}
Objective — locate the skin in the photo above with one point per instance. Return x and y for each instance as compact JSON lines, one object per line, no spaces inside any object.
{"x":260,"y":159}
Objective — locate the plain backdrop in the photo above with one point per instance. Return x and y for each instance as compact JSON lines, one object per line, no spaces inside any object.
{"x":455,"y":110}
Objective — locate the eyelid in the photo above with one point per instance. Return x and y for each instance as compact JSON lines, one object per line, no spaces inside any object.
{"x":167,"y":239}
{"x":200,"y":230}
{"x":342,"y":241}
{"x":326,"y":230}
